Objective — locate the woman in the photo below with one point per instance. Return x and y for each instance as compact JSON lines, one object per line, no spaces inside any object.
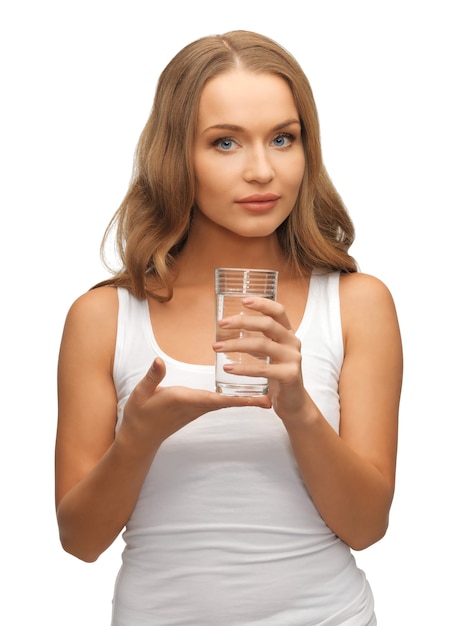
{"x":235,"y":511}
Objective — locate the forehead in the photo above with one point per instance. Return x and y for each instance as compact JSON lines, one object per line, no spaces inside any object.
{"x":238,"y":96}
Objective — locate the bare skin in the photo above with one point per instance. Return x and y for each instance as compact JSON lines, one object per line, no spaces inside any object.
{"x":350,"y":475}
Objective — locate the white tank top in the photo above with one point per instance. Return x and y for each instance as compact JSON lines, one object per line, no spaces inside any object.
{"x":224,"y":532}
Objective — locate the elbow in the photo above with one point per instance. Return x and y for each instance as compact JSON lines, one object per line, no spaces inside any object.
{"x":362,"y":543}
{"x":371,"y":523}
{"x":83,"y":553}
{"x":367,"y":536}
{"x":75,"y":541}
{"x":75,"y":537}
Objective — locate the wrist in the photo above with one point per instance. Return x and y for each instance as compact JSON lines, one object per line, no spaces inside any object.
{"x":134,"y":440}
{"x":306,"y":416}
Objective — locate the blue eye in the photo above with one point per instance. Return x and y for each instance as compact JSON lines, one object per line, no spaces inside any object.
{"x":224,"y":143}
{"x":283,"y":140}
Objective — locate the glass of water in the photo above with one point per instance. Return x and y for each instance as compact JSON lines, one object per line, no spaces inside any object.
{"x":231,"y":285}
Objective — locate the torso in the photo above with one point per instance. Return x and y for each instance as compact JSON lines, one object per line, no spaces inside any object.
{"x":241,"y":511}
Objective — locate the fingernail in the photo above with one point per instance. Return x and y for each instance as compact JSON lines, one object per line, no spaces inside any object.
{"x":247,"y":300}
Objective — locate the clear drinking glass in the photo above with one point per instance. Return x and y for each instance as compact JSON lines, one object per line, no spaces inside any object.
{"x":231,"y":285}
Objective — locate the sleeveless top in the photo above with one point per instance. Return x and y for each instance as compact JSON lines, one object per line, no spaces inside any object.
{"x":224,"y":532}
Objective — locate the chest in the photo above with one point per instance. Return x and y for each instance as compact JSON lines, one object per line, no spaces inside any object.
{"x":184,"y":327}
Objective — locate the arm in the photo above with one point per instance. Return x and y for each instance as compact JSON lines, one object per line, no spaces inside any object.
{"x":95,"y":485}
{"x":349,"y":476}
{"x":99,"y":475}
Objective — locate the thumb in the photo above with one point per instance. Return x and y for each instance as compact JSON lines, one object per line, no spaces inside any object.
{"x":156,"y":372}
{"x":153,"y":378}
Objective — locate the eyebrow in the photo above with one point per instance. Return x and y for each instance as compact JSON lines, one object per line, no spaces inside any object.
{"x":237,"y":129}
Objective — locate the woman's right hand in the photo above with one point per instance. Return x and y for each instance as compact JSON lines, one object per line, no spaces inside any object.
{"x":153,"y":412}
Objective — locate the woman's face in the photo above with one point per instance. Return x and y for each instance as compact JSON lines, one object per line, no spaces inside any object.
{"x":248,"y":155}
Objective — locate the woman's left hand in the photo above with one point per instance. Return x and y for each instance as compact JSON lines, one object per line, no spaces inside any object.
{"x":274,"y":339}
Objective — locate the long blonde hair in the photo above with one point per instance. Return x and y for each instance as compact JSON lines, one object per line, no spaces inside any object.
{"x":153,"y":221}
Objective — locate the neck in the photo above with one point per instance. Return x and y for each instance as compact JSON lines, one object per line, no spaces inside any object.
{"x":218,"y":247}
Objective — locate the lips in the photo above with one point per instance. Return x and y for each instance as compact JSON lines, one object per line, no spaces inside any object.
{"x":259,"y":202}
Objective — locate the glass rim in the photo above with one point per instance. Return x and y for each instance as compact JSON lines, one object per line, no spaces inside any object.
{"x":245,"y":269}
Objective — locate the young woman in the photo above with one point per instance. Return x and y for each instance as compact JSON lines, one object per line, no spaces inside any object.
{"x":235,"y":511}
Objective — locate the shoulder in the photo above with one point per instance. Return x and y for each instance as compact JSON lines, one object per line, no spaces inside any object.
{"x":367,"y":305}
{"x":95,"y":305}
{"x":358,"y":291}
{"x":92,"y":321}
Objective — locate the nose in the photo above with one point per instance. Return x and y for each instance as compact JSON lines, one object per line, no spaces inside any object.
{"x":258,"y":167}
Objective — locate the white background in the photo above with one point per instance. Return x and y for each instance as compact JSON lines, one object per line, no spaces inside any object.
{"x":77,"y":80}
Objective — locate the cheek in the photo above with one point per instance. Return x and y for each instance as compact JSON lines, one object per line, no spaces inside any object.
{"x":212,"y":178}
{"x":208,"y":191}
{"x":296,"y":172}
{"x":206,"y":187}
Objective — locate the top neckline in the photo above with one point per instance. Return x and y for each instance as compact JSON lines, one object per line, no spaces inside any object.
{"x":149,"y":332}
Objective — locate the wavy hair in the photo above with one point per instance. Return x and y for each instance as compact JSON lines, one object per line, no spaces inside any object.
{"x":153,"y":221}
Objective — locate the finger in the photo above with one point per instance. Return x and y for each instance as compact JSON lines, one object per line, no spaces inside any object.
{"x":206,"y":401}
{"x":268,"y":307}
{"x":261,"y":346}
{"x":222,"y":401}
{"x":262,"y":324}
{"x":284,"y":373}
{"x":148,"y":385}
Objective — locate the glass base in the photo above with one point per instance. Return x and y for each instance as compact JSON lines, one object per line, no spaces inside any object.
{"x":242,"y":390}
